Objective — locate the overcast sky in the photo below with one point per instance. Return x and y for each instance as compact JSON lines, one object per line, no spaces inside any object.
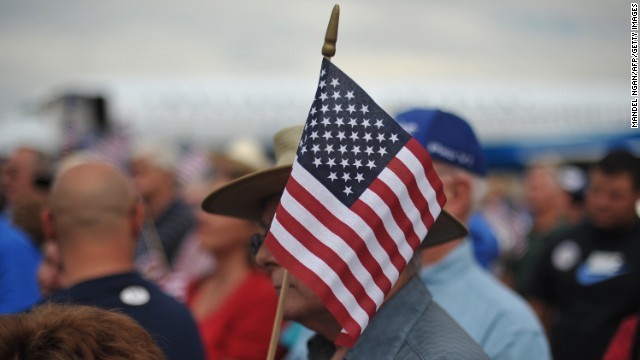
{"x":49,"y":44}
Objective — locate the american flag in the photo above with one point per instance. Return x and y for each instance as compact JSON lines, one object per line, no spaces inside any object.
{"x":360,"y":199}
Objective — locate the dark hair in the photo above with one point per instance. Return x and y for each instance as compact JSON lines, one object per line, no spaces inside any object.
{"x":74,"y":332}
{"x":26,"y":215}
{"x":620,"y":162}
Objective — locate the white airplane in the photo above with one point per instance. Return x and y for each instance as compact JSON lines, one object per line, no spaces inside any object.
{"x":515,"y":124}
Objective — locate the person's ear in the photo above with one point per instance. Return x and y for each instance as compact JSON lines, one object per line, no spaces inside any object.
{"x":46,"y":217}
{"x":459,"y":196}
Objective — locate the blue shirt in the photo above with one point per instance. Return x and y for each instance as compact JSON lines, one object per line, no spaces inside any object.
{"x":409,"y":326}
{"x":19,"y":261}
{"x":498,"y":319}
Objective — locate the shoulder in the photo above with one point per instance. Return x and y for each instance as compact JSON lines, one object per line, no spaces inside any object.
{"x":437,"y":336}
{"x":579,"y":233}
{"x":161,"y":299}
{"x":565,"y":245}
{"x":508,"y":307}
{"x":491,"y":299}
{"x":513,"y":328}
{"x":14,"y":239}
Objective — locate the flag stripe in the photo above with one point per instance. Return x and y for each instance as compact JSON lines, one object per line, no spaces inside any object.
{"x":397,"y":185}
{"x":422,"y":159}
{"x":331,"y":260}
{"x":427,"y":188}
{"x":387,"y":242}
{"x":393,"y":201}
{"x":332,"y":250}
{"x":329,"y":287}
{"x":346,"y":241}
{"x":376,"y":248}
{"x":384,"y":213}
{"x":422,"y":194}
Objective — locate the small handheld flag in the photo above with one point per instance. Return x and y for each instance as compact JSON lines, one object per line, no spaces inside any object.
{"x":361,"y":197}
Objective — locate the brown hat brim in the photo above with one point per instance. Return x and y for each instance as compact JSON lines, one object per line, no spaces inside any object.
{"x":245,"y":197}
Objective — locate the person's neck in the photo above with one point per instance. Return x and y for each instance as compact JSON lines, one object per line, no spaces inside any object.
{"x":620,"y":228}
{"x":82,"y":268}
{"x":160,"y":202}
{"x":434,"y":254}
{"x":86,"y":259}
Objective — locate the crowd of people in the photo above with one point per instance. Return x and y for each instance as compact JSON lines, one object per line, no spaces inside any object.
{"x":100,"y":260}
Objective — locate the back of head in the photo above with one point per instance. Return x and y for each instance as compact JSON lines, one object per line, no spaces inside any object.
{"x":447,"y":137}
{"x":66,"y":332}
{"x":454,"y":147}
{"x":161,"y":156}
{"x":91,"y":198}
{"x":154,"y":166}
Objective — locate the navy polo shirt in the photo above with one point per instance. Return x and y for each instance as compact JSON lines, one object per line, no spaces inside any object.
{"x":169,"y":322}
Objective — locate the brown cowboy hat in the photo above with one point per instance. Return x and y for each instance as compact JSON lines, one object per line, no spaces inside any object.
{"x":244,"y":197}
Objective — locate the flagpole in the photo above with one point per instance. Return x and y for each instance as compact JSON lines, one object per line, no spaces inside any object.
{"x":328,"y":51}
{"x":275,"y":332}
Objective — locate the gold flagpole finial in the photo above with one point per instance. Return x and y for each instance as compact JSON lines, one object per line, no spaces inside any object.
{"x":330,"y":38}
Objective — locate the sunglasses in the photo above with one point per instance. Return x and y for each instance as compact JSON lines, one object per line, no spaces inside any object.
{"x":257,"y":240}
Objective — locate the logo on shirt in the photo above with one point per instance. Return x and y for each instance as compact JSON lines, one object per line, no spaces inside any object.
{"x":601,"y":266}
{"x":135,"y":295}
{"x":566,"y":255}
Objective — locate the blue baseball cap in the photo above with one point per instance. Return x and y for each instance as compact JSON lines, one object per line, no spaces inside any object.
{"x":447,"y":137}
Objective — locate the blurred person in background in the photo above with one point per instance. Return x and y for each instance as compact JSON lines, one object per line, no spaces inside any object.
{"x":191,"y":262}
{"x":26,"y":176}
{"x":586,"y":280}
{"x":26,"y":216}
{"x":74,"y":332}
{"x":497,"y":318}
{"x":547,"y":203}
{"x":153,"y":168}
{"x":3,"y":200}
{"x":24,"y":181}
{"x":573,"y":181}
{"x":235,"y":304}
{"x":504,"y":210}
{"x":19,"y":260}
{"x":625,"y":343}
{"x":94,"y":217}
{"x":485,"y":242}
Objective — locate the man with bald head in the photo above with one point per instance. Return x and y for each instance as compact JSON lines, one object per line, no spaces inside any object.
{"x":95,"y":218}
